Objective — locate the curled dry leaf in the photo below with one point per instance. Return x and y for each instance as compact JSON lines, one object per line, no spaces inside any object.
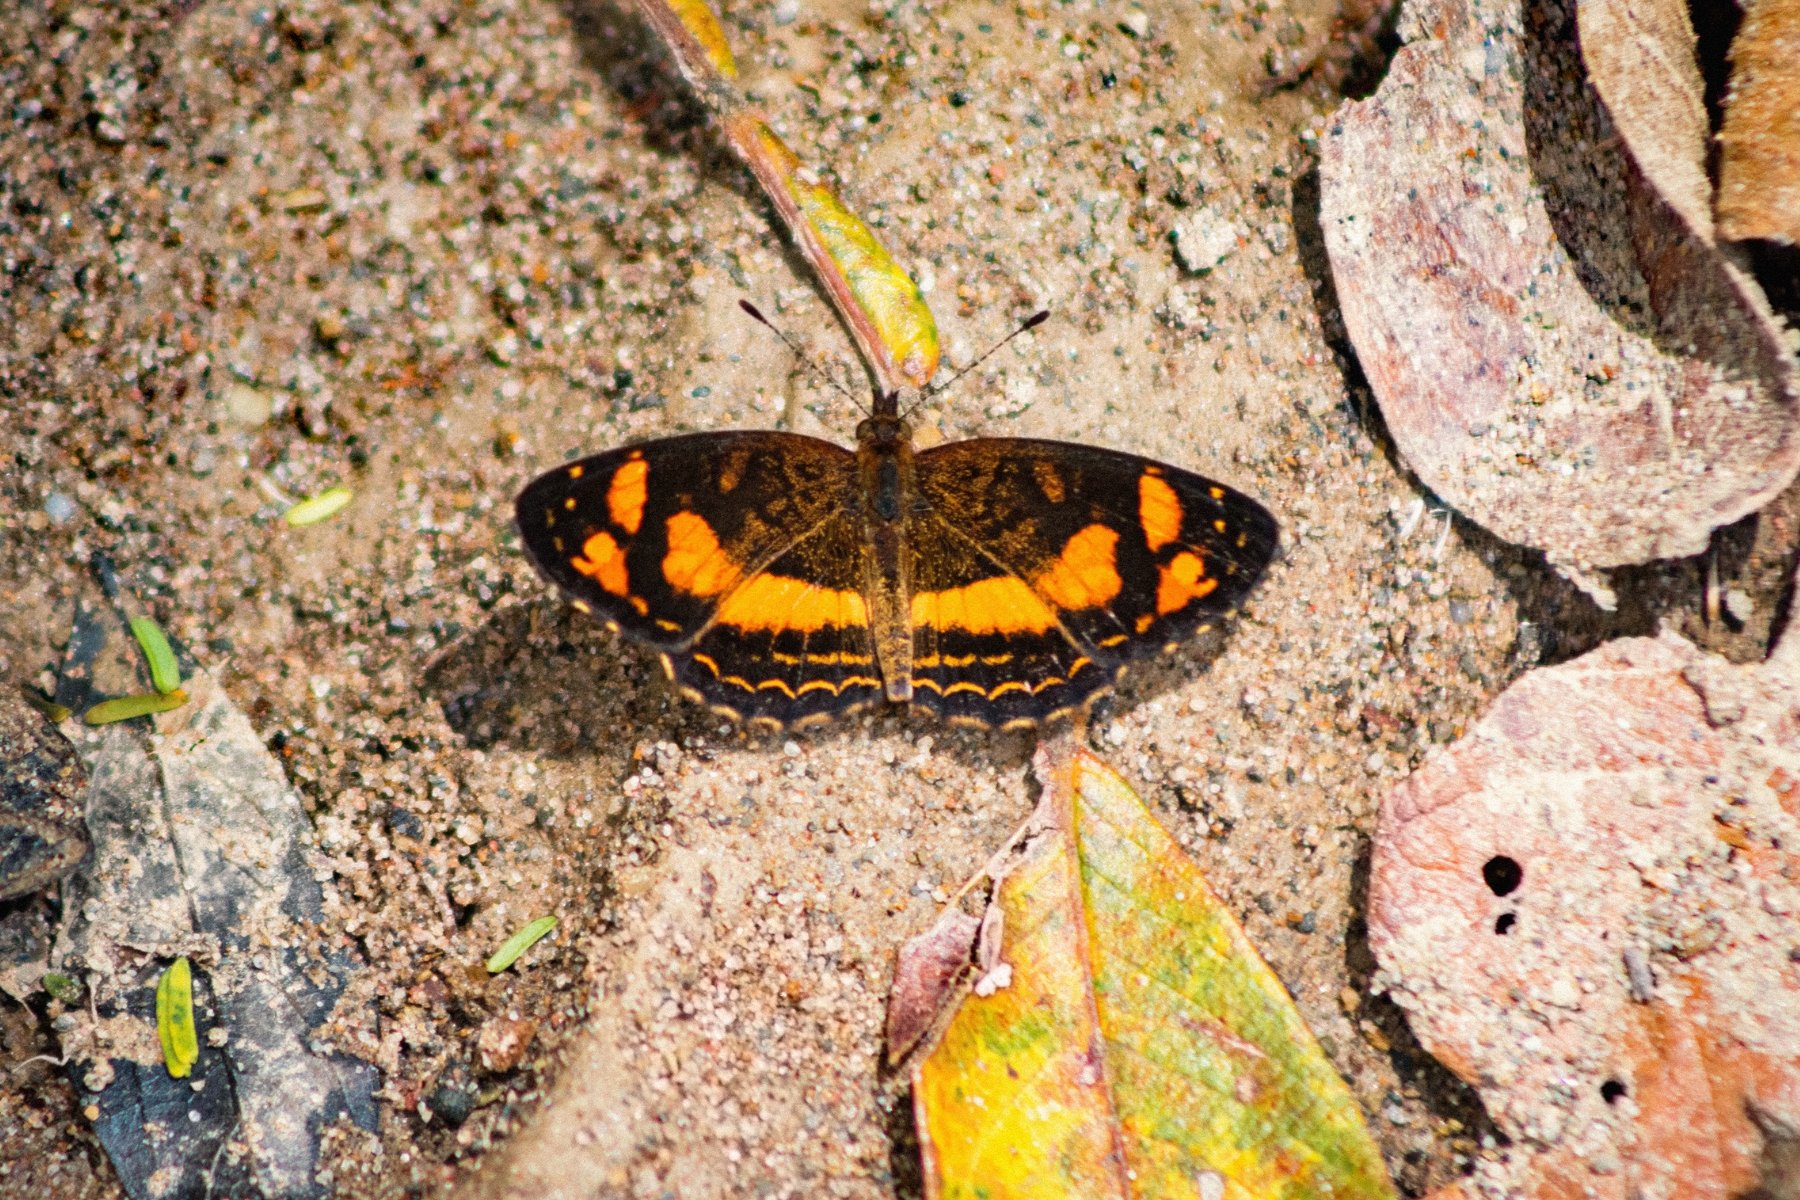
{"x":880,"y":304}
{"x":1759,"y":162}
{"x":1555,"y":350}
{"x":1587,"y":908}
{"x":1640,"y":58}
{"x":928,"y":970}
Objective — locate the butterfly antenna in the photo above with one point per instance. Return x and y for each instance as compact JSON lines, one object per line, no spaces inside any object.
{"x":1030,"y":323}
{"x":757,"y":316}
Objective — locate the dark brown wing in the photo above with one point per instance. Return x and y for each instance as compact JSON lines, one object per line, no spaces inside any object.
{"x":1044,"y":567}
{"x":733,"y":553}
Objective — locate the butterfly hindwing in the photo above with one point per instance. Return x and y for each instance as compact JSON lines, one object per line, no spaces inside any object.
{"x":790,"y":645}
{"x":987,"y":649}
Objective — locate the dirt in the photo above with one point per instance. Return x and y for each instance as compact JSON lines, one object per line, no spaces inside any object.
{"x":426,"y":251}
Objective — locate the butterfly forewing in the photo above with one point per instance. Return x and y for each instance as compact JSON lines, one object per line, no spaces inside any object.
{"x":655,"y":537}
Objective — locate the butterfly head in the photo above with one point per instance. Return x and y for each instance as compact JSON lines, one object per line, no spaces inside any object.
{"x":884,"y":428}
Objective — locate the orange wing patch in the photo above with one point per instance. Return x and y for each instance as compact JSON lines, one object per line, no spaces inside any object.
{"x":1159,"y":511}
{"x":603,"y":561}
{"x":1086,"y":573}
{"x":1003,"y":604}
{"x":694,"y":563}
{"x":778,"y":603}
{"x":1183,"y":580}
{"x":625,"y":495}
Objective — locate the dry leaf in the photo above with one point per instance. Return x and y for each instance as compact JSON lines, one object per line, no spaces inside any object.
{"x":1759,"y":162}
{"x":200,"y":846}
{"x":1553,"y":351}
{"x":1587,"y":908}
{"x":1640,"y":57}
{"x":1130,"y":1042}
{"x":41,"y":837}
{"x":928,"y":971}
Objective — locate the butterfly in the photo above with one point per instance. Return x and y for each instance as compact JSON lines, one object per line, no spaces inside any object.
{"x":997,"y":582}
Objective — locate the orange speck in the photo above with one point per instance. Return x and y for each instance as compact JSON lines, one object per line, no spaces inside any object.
{"x":602,"y":561}
{"x":1183,"y":580}
{"x":694,"y":563}
{"x":1086,"y":573}
{"x":1159,"y":511}
{"x":625,"y":495}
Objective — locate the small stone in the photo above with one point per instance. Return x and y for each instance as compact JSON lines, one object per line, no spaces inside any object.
{"x":58,"y":507}
{"x":306,"y":199}
{"x":502,"y":1043}
{"x":1638,"y":979}
{"x":1739,"y":604}
{"x":247,"y":407}
{"x":452,"y":1104}
{"x":1203,"y":240}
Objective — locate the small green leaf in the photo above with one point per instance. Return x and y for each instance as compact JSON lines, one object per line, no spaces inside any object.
{"x":323,"y":506}
{"x":123,"y":708}
{"x":61,"y":987}
{"x":56,"y":713}
{"x":518,"y":944}
{"x":165,"y":672}
{"x":175,"y":1019}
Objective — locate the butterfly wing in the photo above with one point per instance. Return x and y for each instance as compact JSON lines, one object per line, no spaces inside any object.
{"x":732,"y":553}
{"x":1042,"y":568}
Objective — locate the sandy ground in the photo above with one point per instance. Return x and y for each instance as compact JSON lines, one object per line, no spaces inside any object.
{"x":429,"y":250}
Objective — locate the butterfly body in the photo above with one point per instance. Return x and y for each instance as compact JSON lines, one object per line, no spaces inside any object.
{"x":995,"y":582}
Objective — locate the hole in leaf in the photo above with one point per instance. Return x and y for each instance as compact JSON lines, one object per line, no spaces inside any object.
{"x":1504,"y":923}
{"x":1502,"y":874}
{"x":1611,"y":1090}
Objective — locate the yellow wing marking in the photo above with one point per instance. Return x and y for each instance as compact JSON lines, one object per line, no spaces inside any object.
{"x":694,"y":562}
{"x":780,"y":603}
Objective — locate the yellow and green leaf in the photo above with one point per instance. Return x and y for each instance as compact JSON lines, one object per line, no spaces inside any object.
{"x":175,"y":1019}
{"x":879,"y":302}
{"x":1141,"y":1048}
{"x":124,"y":708}
{"x":165,"y":672}
{"x":516,"y":945}
{"x":322,"y":507}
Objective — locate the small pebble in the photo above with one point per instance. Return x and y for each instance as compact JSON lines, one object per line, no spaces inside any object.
{"x":502,"y":1042}
{"x":247,"y":407}
{"x":1203,"y":240}
{"x":452,"y":1105}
